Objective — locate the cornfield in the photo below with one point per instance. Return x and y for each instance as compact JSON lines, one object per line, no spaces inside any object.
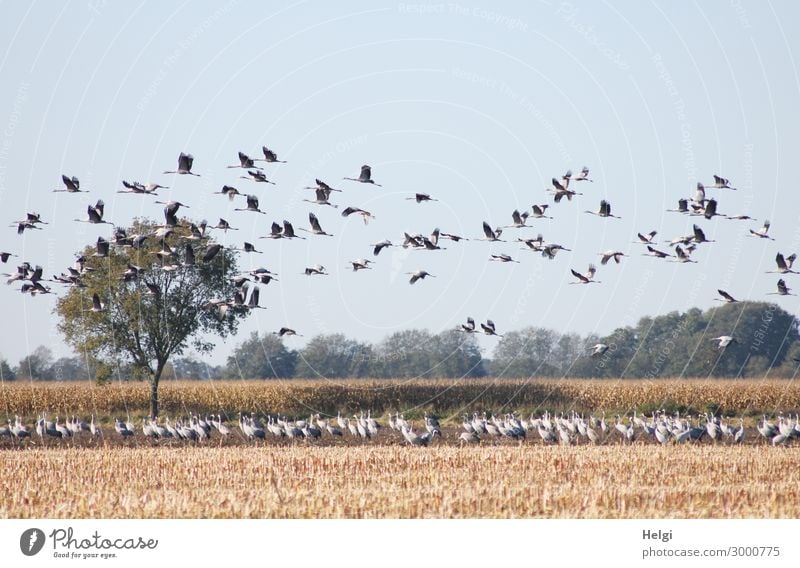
{"x":444,"y":396}
{"x":403,"y":482}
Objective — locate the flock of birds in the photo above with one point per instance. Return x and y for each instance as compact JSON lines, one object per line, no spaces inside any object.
{"x":176,"y":252}
{"x":565,"y":429}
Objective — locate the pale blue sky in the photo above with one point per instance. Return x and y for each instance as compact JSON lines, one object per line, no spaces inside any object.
{"x":475,"y":103}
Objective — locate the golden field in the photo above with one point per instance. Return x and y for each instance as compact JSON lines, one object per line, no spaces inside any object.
{"x":442,"y":396}
{"x":382,"y":481}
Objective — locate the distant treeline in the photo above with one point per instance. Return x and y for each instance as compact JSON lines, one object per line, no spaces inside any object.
{"x":672,"y":345}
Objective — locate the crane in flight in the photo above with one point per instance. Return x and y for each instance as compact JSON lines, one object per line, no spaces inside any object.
{"x":171,"y":211}
{"x":784,"y":264}
{"x":228,"y":190}
{"x":141,"y":189}
{"x":252,"y":303}
{"x":683,"y":207}
{"x":224,"y":225}
{"x":646,"y":239}
{"x":286,"y":331}
{"x":609,"y":254}
{"x":360,"y":264}
{"x":420,"y":197}
{"x":322,"y":197}
{"x":518,"y":219}
{"x":699,"y":236}
{"x":378,"y":247}
{"x":322,"y":185}
{"x":365,"y":176}
{"x":707,"y":210}
{"x":252,"y":205}
{"x":583,"y":176}
{"x":316,"y":228}
{"x":452,"y":237}
{"x":587,"y":278}
{"x":365,"y":215}
{"x":501,"y":258}
{"x":245,"y":162}
{"x":721,"y":183}
{"x":727,"y":298}
{"x":257,"y":176}
{"x":604,"y":211}
{"x":491,"y":235}
{"x":95,"y":214}
{"x":71,"y":185}
{"x":30,"y":221}
{"x":762,"y":232}
{"x":560,"y":191}
{"x":97,"y":305}
{"x":783,"y":289}
{"x":270,"y":156}
{"x":683,"y":255}
{"x":468,"y":327}
{"x":598,"y":349}
{"x":549,"y":250}
{"x":419,"y":275}
{"x":185,"y":162}
{"x":316,"y":270}
{"x":539,"y":211}
{"x":724,"y":341}
{"x":489,"y":328}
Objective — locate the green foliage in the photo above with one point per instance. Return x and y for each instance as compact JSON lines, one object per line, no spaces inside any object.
{"x":6,"y":372}
{"x":334,"y":356}
{"x":193,"y":368}
{"x":103,"y":374}
{"x":261,"y":357}
{"x":150,"y":318}
{"x":37,"y":365}
{"x":672,"y":345}
{"x":418,"y":353}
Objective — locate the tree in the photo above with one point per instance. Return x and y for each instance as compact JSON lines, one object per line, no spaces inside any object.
{"x":526,"y":353}
{"x":334,"y":356}
{"x":37,"y":365}
{"x":194,"y":368}
{"x":405,"y":354}
{"x":6,"y":372}
{"x":151,"y":311}
{"x":70,"y":369}
{"x":456,"y":354}
{"x":261,"y":357}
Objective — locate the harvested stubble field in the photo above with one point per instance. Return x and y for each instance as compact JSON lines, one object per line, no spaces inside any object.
{"x":440,"y":396}
{"x":233,"y":478}
{"x":379,"y":482}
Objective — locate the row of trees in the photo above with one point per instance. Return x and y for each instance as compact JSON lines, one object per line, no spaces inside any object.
{"x":672,"y":345}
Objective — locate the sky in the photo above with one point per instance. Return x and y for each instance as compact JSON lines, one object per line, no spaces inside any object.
{"x":475,"y":103}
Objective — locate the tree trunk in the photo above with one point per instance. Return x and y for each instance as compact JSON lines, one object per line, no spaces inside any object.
{"x":154,"y":390}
